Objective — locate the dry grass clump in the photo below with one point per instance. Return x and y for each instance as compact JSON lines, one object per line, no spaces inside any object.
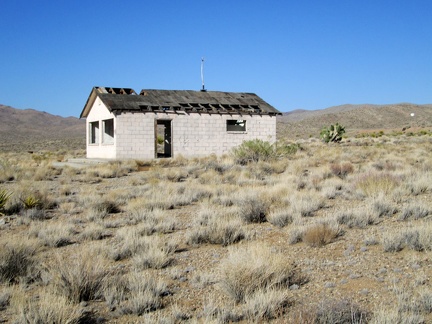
{"x":252,"y":208}
{"x":341,"y":170}
{"x":146,"y":251}
{"x":151,"y":221}
{"x":335,"y":311}
{"x":17,"y":261}
{"x":418,"y":238}
{"x":92,"y":232}
{"x":153,"y":252}
{"x":266,"y":304}
{"x":113,"y":169}
{"x":414,"y":211}
{"x":250,"y":269}
{"x":46,"y":308}
{"x":280,"y":217}
{"x":360,"y":217}
{"x":53,"y":234}
{"x":305,"y":204}
{"x":321,"y":234}
{"x":221,"y":230}
{"x":144,"y":294}
{"x":79,"y":277}
{"x":372,"y":184}
{"x":409,"y":308}
{"x":8,"y":170}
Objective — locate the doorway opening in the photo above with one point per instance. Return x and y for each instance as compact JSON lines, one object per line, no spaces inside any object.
{"x":163,"y":145}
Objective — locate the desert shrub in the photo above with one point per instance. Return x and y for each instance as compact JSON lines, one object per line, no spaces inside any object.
{"x":382,"y":207}
{"x":152,"y":221}
{"x":218,"y":231}
{"x":79,"y":277}
{"x":115,"y":290}
{"x":35,"y":214}
{"x":7,"y":171}
{"x":358,"y":218}
{"x":16,"y":261}
{"x":280,"y":217}
{"x":423,"y":303}
{"x":373,"y":184}
{"x":259,"y":150}
{"x":414,"y":211}
{"x":5,"y":296}
{"x":340,"y":311}
{"x":147,"y":252}
{"x":306,"y":204}
{"x":393,"y":242}
{"x":93,"y":232}
{"x":320,"y":234}
{"x":341,"y":170}
{"x":253,"y":151}
{"x":47,"y":308}
{"x":296,"y":235}
{"x":115,"y":169}
{"x":252,"y":208}
{"x":417,"y":239}
{"x":264,"y":305}
{"x":213,"y":313}
{"x":53,"y":234}
{"x":247,"y":270}
{"x":385,"y":315}
{"x":154,"y":253}
{"x":145,"y":294}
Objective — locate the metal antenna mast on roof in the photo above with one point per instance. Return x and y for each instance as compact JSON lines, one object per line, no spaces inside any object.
{"x":202,"y":74}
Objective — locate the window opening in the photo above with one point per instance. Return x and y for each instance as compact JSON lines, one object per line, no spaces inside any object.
{"x":108,"y":131}
{"x":236,"y":125}
{"x":94,"y":132}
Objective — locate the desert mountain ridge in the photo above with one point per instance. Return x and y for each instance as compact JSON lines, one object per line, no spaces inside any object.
{"x":33,"y":126}
{"x":301,"y":123}
{"x":28,"y":124}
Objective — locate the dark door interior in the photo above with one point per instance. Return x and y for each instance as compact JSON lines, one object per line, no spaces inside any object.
{"x":163,"y":139}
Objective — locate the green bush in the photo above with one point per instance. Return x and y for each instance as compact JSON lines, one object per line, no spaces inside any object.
{"x":259,"y":150}
{"x":333,"y":133}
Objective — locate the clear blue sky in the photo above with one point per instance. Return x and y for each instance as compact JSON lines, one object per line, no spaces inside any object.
{"x":294,"y":54}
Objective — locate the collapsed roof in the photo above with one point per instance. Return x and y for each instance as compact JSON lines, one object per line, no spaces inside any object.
{"x":119,"y":100}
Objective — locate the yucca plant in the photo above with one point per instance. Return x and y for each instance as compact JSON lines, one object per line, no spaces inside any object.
{"x":333,"y":133}
{"x":31,"y":202}
{"x":4,"y":197}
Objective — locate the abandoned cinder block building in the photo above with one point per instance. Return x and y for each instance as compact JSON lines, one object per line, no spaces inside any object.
{"x":122,"y":124}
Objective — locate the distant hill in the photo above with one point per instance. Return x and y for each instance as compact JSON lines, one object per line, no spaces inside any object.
{"x":355,"y":118}
{"x":30,"y":127}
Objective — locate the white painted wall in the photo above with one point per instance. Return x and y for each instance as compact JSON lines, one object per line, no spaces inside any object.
{"x":98,"y":113}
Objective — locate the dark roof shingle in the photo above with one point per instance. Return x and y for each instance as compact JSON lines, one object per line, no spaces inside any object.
{"x":150,"y":100}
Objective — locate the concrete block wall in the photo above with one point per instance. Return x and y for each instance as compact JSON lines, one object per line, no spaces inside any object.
{"x":204,"y":134}
{"x":193,"y":135}
{"x":135,"y":136}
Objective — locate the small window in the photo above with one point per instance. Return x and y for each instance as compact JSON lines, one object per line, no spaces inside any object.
{"x":108,"y":131}
{"x":236,"y":125}
{"x":94,"y":132}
